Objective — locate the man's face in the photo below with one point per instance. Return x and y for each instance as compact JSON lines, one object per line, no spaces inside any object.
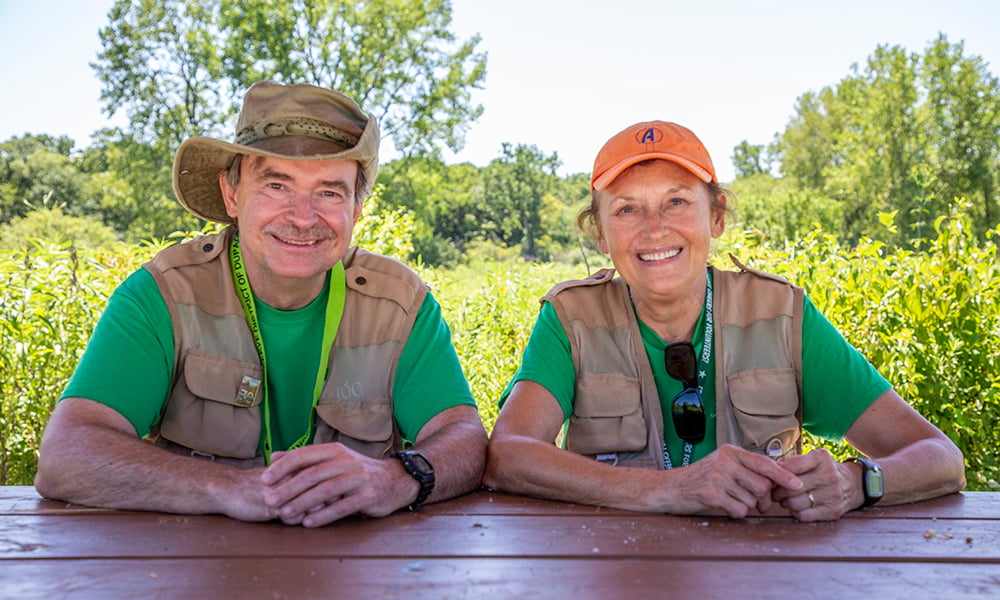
{"x":295,"y":219}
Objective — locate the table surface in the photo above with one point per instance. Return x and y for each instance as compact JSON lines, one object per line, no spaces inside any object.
{"x":489,"y":545}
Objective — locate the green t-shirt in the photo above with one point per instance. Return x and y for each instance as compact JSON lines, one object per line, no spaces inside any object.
{"x":129,"y":362}
{"x":838,"y":383}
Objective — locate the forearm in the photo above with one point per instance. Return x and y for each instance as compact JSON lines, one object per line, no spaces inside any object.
{"x":457,"y":451}
{"x":86,"y":461}
{"x":524,"y":465}
{"x":925,"y":469}
{"x":918,"y":460}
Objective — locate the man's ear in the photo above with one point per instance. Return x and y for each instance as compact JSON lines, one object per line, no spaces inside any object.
{"x":228,"y":193}
{"x":357,"y":210}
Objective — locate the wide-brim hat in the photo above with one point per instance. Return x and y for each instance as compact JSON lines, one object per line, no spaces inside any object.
{"x":278,"y":121}
{"x":649,"y":140}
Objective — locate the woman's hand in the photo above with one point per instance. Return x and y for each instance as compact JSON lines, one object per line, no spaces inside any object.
{"x":830,"y":488}
{"x":731,"y":480}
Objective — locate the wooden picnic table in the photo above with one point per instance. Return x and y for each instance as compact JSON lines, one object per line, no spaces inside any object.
{"x":493,"y":545}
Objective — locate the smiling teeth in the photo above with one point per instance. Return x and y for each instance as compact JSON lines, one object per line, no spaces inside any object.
{"x":297,"y":243}
{"x":660,"y":255}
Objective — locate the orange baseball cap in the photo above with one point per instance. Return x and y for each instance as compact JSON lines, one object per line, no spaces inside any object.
{"x":652,"y":139}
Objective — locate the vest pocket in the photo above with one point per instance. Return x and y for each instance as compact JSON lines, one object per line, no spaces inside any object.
{"x":607,"y":415}
{"x":212,"y":407}
{"x":765,"y":403}
{"x":365,"y":426}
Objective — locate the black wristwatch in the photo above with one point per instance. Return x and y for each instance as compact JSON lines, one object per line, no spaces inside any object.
{"x":417,"y":465}
{"x":871,"y":480}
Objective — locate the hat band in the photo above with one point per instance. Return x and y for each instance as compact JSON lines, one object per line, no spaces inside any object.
{"x":273,"y":128}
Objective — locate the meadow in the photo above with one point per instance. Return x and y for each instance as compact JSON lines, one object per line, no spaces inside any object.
{"x":928,"y":318}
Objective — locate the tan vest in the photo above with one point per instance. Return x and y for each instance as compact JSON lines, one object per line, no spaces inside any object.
{"x":214,"y":351}
{"x":757,"y":321}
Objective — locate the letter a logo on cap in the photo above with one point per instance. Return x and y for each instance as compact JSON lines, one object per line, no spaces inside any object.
{"x":650,"y":135}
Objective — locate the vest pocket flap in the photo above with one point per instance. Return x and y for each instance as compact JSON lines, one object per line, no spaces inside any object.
{"x":606,"y":395}
{"x":223,"y":379}
{"x":607,"y":415}
{"x":764,"y":392}
{"x":765,"y":402}
{"x":368,"y":421}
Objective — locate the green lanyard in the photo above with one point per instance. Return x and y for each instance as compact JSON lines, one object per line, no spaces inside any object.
{"x":334,"y":311}
{"x":706,"y":358}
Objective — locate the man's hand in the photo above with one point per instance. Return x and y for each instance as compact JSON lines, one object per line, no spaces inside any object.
{"x":318,"y":484}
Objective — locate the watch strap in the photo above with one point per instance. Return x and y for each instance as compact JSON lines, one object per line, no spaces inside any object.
{"x":867,"y":467}
{"x":418,"y":467}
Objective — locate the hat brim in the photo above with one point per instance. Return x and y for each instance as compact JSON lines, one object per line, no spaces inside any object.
{"x":605,"y":178}
{"x":199,"y":160}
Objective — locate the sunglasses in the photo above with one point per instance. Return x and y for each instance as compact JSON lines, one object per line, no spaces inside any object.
{"x":687,"y":408}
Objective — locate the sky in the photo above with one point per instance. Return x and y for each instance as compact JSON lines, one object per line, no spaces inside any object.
{"x":563,"y":76}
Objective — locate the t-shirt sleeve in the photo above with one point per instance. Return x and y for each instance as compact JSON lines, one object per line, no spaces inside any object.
{"x":548,"y":360}
{"x":838,"y":383}
{"x":128,"y":362}
{"x":429,"y":377}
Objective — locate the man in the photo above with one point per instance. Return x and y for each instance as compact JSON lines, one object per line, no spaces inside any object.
{"x":279,"y":371}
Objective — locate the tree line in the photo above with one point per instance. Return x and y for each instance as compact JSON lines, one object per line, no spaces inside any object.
{"x":881,"y":153}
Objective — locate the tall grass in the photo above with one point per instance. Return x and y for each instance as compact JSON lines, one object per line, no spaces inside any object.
{"x":928,"y":320}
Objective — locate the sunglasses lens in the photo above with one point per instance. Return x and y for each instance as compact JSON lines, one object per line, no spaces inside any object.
{"x":680,"y":362}
{"x":689,"y":416}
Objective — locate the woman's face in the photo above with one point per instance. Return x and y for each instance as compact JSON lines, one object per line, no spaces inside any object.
{"x":656,"y":221}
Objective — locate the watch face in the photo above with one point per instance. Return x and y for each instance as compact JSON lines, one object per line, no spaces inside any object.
{"x":873,"y":483}
{"x":421,"y":463}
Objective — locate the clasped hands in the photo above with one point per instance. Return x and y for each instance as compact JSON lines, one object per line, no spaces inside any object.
{"x":318,"y":484}
{"x":812,"y":486}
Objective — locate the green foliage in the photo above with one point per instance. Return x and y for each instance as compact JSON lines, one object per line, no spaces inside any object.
{"x":516,"y":202}
{"x":928,"y":321}
{"x":511,"y":195}
{"x":37,"y":171}
{"x":491,"y":307}
{"x":179,"y":67}
{"x":134,"y":179}
{"x":383,"y":229}
{"x":440,"y":197}
{"x":120,"y":182}
{"x":51,"y":226}
{"x":750,"y":159}
{"x":903,"y":133}
{"x":778,"y":210}
{"x":50,"y":299}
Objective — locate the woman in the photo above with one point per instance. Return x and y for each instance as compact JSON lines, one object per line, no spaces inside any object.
{"x":683,"y":388}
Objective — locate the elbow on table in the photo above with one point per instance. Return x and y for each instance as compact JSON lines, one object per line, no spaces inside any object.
{"x":958,"y":480}
{"x":59,"y":475}
{"x":47,"y":480}
{"x":497,"y":463}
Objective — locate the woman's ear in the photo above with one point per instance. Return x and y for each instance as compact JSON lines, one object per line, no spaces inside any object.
{"x":719,"y":215}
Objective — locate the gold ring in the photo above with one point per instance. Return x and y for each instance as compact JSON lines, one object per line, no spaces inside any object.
{"x":812,"y":501}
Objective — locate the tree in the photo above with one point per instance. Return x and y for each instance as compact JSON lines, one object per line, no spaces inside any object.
{"x":778,"y":211}
{"x":511,"y":195}
{"x":440,"y":198}
{"x":749,"y":159}
{"x":37,"y":171}
{"x":905,"y":135}
{"x":177,"y":67}
{"x":963,"y":120}
{"x":134,"y":179}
